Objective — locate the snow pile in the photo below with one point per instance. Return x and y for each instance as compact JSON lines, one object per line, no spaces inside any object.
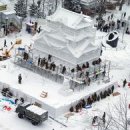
{"x":5,"y":1}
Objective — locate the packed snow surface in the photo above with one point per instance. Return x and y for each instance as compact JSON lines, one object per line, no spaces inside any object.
{"x":120,"y":69}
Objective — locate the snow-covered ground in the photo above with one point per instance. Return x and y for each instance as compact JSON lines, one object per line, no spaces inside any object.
{"x":33,"y":84}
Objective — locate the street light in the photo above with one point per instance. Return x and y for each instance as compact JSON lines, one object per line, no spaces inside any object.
{"x":6,"y":26}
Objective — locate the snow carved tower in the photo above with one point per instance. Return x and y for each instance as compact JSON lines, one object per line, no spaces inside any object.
{"x":69,"y":37}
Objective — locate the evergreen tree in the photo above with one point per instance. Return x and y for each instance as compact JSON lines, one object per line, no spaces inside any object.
{"x":33,"y":9}
{"x":39,"y":15}
{"x":73,"y":5}
{"x":20,"y":8}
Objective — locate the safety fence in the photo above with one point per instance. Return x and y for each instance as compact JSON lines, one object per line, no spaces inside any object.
{"x":75,"y":81}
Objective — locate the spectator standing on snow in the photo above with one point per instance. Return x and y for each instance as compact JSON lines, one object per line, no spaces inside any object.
{"x":5,"y":43}
{"x":124,"y":83}
{"x":111,"y":16}
{"x":101,"y":52}
{"x":124,"y":14}
{"x":39,"y":61}
{"x":49,"y":57}
{"x":104,"y":117}
{"x":89,"y":80}
{"x":19,"y":78}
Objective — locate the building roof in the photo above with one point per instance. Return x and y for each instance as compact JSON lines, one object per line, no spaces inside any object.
{"x":70,"y":19}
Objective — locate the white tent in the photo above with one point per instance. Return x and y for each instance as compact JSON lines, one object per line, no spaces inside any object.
{"x":68,"y":36}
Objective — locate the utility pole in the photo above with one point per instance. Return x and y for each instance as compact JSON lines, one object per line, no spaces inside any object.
{"x":43,"y":10}
{"x":121,"y":4}
{"x":128,"y":2}
{"x":26,"y":4}
{"x":102,"y":8}
{"x":56,"y":3}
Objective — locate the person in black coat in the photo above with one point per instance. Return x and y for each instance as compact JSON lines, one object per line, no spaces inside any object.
{"x":104,"y":117}
{"x":39,"y":61}
{"x":49,"y":57}
{"x":124,"y":83}
{"x":89,"y":80}
{"x":63,"y":70}
{"x":19,"y":78}
{"x":5,"y":45}
{"x":54,"y":67}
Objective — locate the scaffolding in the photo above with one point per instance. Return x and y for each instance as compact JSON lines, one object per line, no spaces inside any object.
{"x":76,"y":81}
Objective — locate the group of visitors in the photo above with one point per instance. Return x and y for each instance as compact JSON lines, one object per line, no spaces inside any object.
{"x":110,"y":24}
{"x":84,"y":72}
{"x":97,"y":119}
{"x":79,"y":72}
{"x":47,"y":63}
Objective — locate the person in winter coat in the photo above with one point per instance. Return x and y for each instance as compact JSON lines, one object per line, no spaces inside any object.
{"x":111,"y":16}
{"x":39,"y":61}
{"x":124,"y":83}
{"x":5,"y":45}
{"x":89,"y":80}
{"x":124,"y":14}
{"x":63,"y":70}
{"x":94,"y":120}
{"x":49,"y":57}
{"x":19,"y":78}
{"x":104,"y":117}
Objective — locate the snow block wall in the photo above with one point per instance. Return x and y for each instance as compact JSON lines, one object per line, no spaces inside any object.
{"x":57,"y":110}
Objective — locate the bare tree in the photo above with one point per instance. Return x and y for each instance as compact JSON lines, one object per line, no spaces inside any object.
{"x":117,"y":117}
{"x":128,"y":1}
{"x":102,"y":8}
{"x":121,"y":4}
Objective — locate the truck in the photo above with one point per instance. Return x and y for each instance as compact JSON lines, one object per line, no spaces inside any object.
{"x":32,"y":112}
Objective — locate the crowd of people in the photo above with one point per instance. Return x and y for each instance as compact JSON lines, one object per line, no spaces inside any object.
{"x":83,"y":73}
{"x":111,"y":24}
{"x":80,"y":72}
{"x":97,"y":119}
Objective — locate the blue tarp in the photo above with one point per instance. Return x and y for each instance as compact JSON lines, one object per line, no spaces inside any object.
{"x":30,"y":62}
{"x":8,"y":100}
{"x":88,"y":106}
{"x":21,"y":49}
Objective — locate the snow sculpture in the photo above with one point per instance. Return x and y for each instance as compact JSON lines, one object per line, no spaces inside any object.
{"x":69,"y":37}
{"x":66,"y":91}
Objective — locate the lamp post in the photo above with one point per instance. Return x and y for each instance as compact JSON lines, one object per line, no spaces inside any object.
{"x":6,"y":26}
